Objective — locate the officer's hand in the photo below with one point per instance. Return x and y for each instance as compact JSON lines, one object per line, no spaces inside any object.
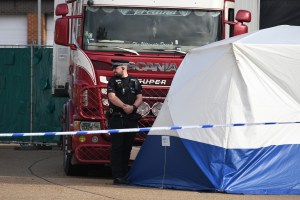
{"x":128,"y":108}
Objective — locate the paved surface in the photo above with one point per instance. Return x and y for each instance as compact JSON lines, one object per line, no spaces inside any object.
{"x":38,"y":174}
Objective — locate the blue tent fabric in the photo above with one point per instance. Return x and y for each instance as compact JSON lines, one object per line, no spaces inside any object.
{"x":189,"y":165}
{"x":251,"y":78}
{"x":169,"y":171}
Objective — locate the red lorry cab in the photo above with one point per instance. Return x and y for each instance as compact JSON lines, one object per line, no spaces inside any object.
{"x":153,"y":35}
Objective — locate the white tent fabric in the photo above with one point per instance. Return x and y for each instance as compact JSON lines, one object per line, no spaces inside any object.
{"x":252,"y":78}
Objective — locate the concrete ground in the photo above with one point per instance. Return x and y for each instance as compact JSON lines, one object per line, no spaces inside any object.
{"x":38,"y":174}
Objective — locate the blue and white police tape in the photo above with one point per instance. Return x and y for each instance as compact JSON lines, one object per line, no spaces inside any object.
{"x":145,"y":129}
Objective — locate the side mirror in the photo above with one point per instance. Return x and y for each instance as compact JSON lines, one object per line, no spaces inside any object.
{"x":240,"y":28}
{"x":61,"y":9}
{"x":61,"y":33}
{"x":243,"y":16}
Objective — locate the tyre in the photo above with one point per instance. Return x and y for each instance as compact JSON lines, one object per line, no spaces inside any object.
{"x":69,"y":169}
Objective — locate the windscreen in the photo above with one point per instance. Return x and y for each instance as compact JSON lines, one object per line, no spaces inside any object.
{"x":148,"y":30}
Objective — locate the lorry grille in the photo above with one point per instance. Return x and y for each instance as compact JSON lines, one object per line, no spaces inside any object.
{"x":93,"y":103}
{"x":93,"y":153}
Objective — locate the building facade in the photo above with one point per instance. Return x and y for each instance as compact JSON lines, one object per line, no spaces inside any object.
{"x":19,"y":22}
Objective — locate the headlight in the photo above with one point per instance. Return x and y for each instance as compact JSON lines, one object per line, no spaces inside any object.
{"x":143,"y":109}
{"x":103,"y":90}
{"x":105,"y":102}
{"x":156,"y":108}
{"x":89,"y":126}
{"x":82,"y":138}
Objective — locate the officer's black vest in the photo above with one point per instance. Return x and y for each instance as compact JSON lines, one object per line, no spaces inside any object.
{"x":125,"y":90}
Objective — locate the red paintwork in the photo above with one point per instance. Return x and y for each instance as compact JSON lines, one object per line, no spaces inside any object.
{"x":99,"y":153}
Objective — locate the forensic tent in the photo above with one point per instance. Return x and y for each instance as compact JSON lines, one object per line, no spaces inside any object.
{"x":234,"y":115}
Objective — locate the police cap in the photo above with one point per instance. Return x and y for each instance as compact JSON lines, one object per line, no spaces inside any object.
{"x":116,"y":63}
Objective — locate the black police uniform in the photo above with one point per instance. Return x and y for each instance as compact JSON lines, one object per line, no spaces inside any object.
{"x":126,"y":90}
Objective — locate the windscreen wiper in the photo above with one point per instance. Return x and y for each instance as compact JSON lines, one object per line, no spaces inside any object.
{"x":112,"y":41}
{"x":176,"y":50}
{"x":168,"y":50}
{"x":128,"y":50}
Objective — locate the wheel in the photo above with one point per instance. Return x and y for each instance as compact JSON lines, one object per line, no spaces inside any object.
{"x":69,"y":169}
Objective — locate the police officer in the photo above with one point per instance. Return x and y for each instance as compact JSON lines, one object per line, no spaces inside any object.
{"x":124,"y":95}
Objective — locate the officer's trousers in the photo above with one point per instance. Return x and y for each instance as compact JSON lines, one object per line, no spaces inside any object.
{"x":121,"y":145}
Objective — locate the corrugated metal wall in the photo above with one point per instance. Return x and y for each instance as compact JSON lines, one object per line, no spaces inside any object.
{"x":26,"y":104}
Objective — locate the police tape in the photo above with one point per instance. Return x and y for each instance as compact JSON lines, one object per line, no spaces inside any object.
{"x":144,"y":129}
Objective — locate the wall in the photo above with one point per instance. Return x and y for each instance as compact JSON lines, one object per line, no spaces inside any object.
{"x":28,"y":8}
